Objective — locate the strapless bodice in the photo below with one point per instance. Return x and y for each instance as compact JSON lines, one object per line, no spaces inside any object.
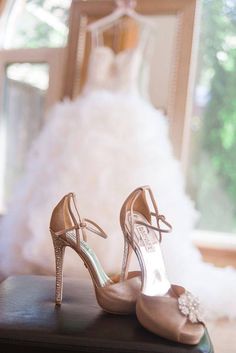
{"x":111,"y":71}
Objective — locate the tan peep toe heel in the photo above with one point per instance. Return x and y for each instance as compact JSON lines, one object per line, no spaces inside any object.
{"x":69,"y":229}
{"x":164,"y":309}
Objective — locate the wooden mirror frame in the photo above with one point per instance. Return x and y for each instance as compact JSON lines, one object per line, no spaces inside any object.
{"x":2,"y":4}
{"x":83,"y":11}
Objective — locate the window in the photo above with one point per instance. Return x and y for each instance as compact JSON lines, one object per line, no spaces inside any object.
{"x":34,"y":24}
{"x":33,"y":37}
{"x":212,"y":161}
{"x":24,"y":90}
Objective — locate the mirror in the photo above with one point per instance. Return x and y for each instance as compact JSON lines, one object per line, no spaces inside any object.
{"x":160,"y":62}
{"x":169,"y":65}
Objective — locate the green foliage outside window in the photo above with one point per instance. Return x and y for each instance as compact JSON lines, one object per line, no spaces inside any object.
{"x":213,"y":166}
{"x":37,"y":23}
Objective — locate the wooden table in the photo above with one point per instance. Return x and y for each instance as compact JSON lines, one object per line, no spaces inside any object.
{"x":30,"y":322}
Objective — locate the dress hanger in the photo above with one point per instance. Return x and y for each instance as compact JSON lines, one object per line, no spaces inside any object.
{"x":124,"y":8}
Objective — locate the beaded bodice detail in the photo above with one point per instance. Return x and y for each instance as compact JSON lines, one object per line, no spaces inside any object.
{"x":115,"y":72}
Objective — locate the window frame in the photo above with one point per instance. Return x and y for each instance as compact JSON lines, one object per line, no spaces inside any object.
{"x":54,"y":57}
{"x":216,"y":247}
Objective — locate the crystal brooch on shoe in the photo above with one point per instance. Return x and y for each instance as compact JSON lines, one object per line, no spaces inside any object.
{"x":189,"y":305}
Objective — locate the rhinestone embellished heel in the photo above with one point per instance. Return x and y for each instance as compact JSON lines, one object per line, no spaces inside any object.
{"x":69,"y":229}
{"x":163,"y":308}
{"x":59,"y":248}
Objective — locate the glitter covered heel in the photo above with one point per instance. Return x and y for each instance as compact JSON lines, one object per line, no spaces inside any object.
{"x":69,"y":229}
{"x":59,"y":248}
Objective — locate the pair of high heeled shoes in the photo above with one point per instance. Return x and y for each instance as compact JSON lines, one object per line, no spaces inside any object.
{"x":163,"y":308}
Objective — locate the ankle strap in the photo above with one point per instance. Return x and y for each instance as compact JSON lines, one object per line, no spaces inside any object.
{"x":160,"y":230}
{"x":82,"y":226}
{"x":154,"y":214}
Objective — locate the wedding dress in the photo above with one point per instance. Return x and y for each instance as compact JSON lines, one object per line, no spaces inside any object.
{"x":101,"y":146}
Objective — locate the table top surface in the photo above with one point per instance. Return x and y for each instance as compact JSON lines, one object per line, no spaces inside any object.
{"x":28,"y":313}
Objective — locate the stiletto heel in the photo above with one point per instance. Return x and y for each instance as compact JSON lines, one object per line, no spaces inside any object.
{"x":69,"y":229}
{"x":163,"y":308}
{"x":59,"y":249}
